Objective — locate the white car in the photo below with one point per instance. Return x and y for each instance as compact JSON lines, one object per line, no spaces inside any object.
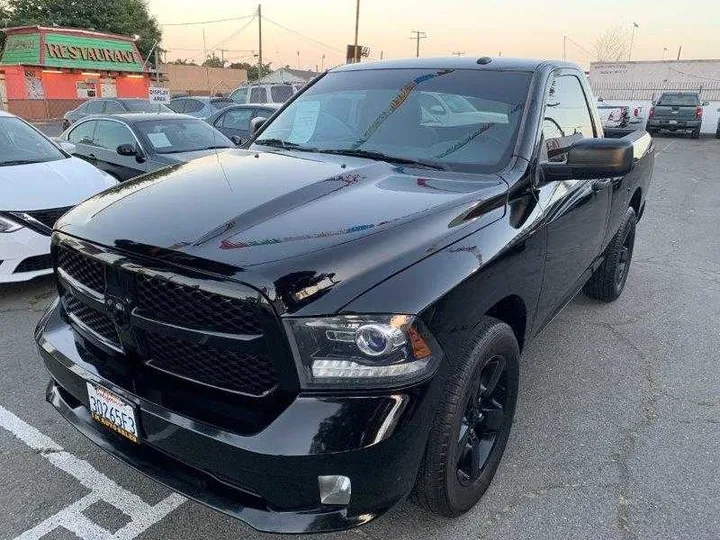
{"x":39,"y":181}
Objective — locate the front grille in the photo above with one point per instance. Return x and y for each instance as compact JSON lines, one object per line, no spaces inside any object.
{"x":94,"y":320}
{"x":193,"y":307}
{"x":87,"y":271}
{"x":252,"y":374}
{"x":33,"y":264}
{"x":48,"y":217}
{"x":202,"y":332}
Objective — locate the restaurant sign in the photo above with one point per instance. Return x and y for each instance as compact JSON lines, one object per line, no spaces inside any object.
{"x":72,"y":51}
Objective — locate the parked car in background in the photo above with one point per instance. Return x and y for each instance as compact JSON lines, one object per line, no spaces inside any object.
{"x":264,"y":93}
{"x":199,"y":106}
{"x":676,"y":111}
{"x":301,"y":333}
{"x":234,"y":121}
{"x":128,"y":145}
{"x":619,"y":120}
{"x":112,"y":106}
{"x":39,"y":181}
{"x":717,"y":130}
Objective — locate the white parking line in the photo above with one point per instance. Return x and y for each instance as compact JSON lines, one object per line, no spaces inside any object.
{"x":141,"y":514}
{"x":668,"y":145}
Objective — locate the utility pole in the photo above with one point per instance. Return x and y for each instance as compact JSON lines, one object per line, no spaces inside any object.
{"x":664,"y":52}
{"x":381,"y":55}
{"x":632,"y":39}
{"x":222,"y":57}
{"x":260,"y":62}
{"x":564,"y":48}
{"x":356,"y":53}
{"x":204,"y":46}
{"x":679,"y":52}
{"x":322,"y":63}
{"x":157,"y":67}
{"x":417,"y":38}
{"x":298,"y":55}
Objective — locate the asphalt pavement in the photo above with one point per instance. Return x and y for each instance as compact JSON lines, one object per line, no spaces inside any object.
{"x":617,"y":433}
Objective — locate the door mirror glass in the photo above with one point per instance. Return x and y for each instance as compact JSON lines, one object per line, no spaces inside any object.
{"x":256,"y":124}
{"x":705,"y":103}
{"x":592,"y":158}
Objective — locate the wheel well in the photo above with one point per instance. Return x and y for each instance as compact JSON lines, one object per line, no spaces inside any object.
{"x":511,"y":310}
{"x":635,"y":201}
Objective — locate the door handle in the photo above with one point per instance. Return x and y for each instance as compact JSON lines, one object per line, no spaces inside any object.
{"x":599,"y":185}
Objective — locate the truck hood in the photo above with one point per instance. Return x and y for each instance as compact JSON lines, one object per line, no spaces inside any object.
{"x":270,"y":215}
{"x":53,"y":184}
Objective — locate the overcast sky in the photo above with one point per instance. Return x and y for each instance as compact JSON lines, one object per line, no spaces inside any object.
{"x":476,"y":27}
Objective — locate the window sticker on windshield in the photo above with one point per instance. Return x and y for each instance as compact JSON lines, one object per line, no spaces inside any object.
{"x":159,"y":140}
{"x":306,"y":115}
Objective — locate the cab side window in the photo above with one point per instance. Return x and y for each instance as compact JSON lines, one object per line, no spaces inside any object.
{"x":567,"y":116}
{"x":83,"y":133}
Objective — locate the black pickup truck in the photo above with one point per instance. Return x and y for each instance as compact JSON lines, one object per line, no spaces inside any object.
{"x":302,"y":332}
{"x":676,"y":111}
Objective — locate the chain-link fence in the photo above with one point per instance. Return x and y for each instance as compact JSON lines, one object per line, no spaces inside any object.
{"x":709,"y":90}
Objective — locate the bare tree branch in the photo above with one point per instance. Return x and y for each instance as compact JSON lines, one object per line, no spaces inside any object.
{"x":613,"y":45}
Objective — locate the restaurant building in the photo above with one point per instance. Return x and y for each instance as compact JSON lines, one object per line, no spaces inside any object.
{"x":46,"y":71}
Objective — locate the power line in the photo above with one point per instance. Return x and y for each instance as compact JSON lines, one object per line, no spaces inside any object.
{"x":234,"y":34}
{"x":208,"y":22}
{"x":304,"y":36}
{"x":583,"y":49}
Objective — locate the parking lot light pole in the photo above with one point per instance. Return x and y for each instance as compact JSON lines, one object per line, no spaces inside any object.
{"x":632,"y":39}
{"x":356,"y":54}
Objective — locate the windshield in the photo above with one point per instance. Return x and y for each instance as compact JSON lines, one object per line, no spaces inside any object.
{"x":174,"y":135}
{"x":458,"y":119}
{"x":20,"y":144}
{"x":679,"y":100}
{"x":145,"y":106}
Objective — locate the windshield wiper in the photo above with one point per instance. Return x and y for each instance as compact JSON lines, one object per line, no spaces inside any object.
{"x":380,"y":156}
{"x":20,"y":162}
{"x":279,"y":143}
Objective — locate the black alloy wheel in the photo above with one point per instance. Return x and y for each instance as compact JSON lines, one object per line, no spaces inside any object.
{"x":484,"y":417}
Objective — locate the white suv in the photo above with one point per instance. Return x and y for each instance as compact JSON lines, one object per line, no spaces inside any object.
{"x":265,"y":93}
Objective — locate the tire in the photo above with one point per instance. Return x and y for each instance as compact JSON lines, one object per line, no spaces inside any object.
{"x":695,"y":134}
{"x":652,"y":132}
{"x":608,"y":281}
{"x":447,"y":483}
{"x":717,"y":134}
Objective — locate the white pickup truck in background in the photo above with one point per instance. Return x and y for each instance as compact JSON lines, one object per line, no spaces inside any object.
{"x":619,"y":120}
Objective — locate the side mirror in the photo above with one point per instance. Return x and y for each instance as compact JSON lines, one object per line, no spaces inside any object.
{"x":130,"y":150}
{"x":591,"y":159}
{"x":237,"y":141}
{"x":705,"y":103}
{"x":65,"y":146}
{"x":256,"y":123}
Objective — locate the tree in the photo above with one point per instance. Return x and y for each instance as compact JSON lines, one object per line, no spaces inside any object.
{"x":183,"y":62}
{"x":125,"y":17}
{"x":213,"y":61}
{"x":252,"y":69}
{"x":613,"y":45}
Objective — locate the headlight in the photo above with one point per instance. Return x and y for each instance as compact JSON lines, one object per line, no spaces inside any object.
{"x":361,"y":350}
{"x":8,"y":226}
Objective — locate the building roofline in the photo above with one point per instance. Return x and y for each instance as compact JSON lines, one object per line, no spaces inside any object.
{"x":67,"y":30}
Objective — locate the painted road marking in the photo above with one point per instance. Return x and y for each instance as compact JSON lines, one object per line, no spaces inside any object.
{"x":142,"y":515}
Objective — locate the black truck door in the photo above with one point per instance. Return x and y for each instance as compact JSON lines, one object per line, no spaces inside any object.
{"x":576,"y":211}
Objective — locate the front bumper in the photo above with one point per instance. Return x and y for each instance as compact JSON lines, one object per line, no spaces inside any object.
{"x":18,"y":246}
{"x":267,"y":479}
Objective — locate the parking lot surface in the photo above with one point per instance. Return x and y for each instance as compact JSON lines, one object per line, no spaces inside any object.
{"x":616,"y":434}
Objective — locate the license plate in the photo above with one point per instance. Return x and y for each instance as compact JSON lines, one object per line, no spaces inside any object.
{"x":673,"y":121}
{"x":113,"y":412}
